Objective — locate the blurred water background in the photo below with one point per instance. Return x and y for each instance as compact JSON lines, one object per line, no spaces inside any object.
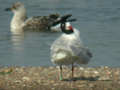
{"x":97,"y":20}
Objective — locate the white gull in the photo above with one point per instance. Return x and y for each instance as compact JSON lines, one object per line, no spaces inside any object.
{"x":68,"y":49}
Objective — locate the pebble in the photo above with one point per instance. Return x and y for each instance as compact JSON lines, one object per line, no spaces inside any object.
{"x":91,"y":85}
{"x":17,"y":81}
{"x":43,"y":76}
{"x":96,"y":72}
{"x":104,"y":78}
{"x":81,"y":68}
{"x":82,"y":85}
{"x":26,"y":79}
{"x":51,"y":67}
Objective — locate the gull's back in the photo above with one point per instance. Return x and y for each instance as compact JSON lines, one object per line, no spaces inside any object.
{"x":39,"y":23}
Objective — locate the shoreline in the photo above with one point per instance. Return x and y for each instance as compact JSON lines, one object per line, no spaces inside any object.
{"x":47,"y":78}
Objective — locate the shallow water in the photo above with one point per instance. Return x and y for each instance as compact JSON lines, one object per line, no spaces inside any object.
{"x":97,"y":20}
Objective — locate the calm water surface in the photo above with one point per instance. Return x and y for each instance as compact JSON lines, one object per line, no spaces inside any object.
{"x":97,"y":20}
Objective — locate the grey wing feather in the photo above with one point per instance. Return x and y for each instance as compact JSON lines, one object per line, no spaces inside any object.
{"x":82,"y":54}
{"x":77,"y":50}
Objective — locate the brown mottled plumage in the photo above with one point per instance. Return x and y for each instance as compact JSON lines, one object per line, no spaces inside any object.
{"x":40,"y":22}
{"x":20,"y":22}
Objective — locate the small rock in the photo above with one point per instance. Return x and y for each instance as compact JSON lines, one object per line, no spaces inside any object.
{"x":96,"y":72}
{"x":81,"y":68}
{"x":104,"y":78}
{"x":106,"y":67}
{"x":91,"y":85}
{"x":51,"y":67}
{"x":17,"y":81}
{"x":26,"y":79}
{"x":52,"y":81}
{"x":36,"y":74}
{"x":82,"y":85}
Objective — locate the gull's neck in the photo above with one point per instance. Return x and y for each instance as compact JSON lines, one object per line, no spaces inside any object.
{"x":73,"y":36}
{"x":18,"y":19}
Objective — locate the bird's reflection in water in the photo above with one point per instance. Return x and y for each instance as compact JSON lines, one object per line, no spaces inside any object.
{"x":17,"y":39}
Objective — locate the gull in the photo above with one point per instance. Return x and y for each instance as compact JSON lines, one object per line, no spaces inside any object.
{"x":20,"y":22}
{"x":68,"y":49}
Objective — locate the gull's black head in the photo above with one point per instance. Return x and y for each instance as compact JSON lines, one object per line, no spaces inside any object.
{"x":67,"y":28}
{"x":65,"y":25}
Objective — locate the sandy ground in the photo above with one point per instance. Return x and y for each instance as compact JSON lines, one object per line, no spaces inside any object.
{"x":47,"y":78}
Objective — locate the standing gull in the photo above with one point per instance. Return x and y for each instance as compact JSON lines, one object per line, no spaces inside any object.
{"x":68,"y":49}
{"x":20,"y":22}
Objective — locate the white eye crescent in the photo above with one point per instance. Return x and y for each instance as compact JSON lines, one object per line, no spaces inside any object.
{"x":68,"y":26}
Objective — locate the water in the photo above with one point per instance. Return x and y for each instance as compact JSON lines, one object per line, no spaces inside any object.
{"x":98,"y":21}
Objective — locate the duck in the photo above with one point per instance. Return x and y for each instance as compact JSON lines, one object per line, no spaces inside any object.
{"x":68,"y":49}
{"x":20,"y":22}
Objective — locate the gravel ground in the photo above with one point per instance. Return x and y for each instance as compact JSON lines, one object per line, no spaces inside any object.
{"x":47,"y":78}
